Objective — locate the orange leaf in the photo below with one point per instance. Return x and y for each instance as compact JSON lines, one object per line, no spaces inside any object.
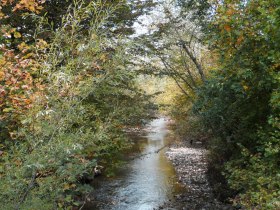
{"x":229,"y":12}
{"x":239,"y":40}
{"x":227,"y":28}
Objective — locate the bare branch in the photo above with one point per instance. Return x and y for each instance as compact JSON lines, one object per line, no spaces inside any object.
{"x":188,"y":68}
{"x":194,"y":60}
{"x":171,"y":69}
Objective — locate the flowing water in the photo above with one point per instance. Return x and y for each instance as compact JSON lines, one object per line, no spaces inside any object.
{"x":145,"y":182}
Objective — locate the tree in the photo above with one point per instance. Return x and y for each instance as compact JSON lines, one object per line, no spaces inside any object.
{"x":17,"y":84}
{"x":238,"y":101}
{"x":175,"y":48}
{"x":17,"y":19}
{"x":76,"y":121}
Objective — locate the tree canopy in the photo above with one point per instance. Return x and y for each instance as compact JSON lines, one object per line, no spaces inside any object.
{"x":70,"y":87}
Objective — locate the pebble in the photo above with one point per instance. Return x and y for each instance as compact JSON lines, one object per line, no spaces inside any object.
{"x":190,"y":164}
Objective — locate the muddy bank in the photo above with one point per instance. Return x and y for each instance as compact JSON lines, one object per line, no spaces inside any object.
{"x":191,"y":166}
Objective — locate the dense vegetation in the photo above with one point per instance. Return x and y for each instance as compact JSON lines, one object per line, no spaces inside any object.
{"x":64,"y":101}
{"x":69,"y":85}
{"x":240,"y":101}
{"x":224,"y":57}
{"x":237,"y":106}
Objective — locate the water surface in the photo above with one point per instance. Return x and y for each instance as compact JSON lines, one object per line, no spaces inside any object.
{"x":145,"y":182}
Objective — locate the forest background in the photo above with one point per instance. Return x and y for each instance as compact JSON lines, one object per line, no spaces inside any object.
{"x":71,"y":81}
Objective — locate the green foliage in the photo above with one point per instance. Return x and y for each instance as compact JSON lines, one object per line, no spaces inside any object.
{"x":255,"y":175}
{"x":240,"y":101}
{"x":19,"y":15}
{"x":77,"y":120}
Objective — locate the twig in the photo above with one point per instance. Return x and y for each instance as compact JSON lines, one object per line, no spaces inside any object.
{"x":30,"y":186}
{"x":149,"y":153}
{"x":84,"y":203}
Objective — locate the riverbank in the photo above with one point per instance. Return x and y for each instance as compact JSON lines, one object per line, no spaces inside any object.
{"x":190,"y":163}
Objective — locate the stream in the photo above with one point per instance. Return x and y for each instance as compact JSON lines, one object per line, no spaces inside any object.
{"x":145,"y":182}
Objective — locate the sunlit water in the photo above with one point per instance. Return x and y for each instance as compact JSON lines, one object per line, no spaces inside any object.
{"x":143,"y":183}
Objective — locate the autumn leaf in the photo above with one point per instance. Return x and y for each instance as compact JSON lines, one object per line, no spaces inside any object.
{"x":245,"y":87}
{"x":41,"y":44}
{"x":17,"y":34}
{"x":8,"y":109}
{"x":103,"y":58}
{"x":239,"y":40}
{"x":68,"y":186}
{"x":31,"y":5}
{"x":227,"y":28}
{"x":2,"y":75}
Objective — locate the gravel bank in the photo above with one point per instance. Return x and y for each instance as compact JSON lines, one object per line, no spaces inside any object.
{"x":191,"y":166}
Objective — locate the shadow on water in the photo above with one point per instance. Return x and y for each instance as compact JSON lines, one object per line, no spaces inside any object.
{"x":143,"y":183}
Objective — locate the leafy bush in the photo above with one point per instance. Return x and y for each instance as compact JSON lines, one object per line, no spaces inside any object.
{"x":76,"y":120}
{"x":240,"y":101}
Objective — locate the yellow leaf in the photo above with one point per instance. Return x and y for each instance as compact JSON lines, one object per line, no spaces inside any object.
{"x":230,"y":12}
{"x":2,"y":75}
{"x":17,"y":34}
{"x":66,"y":187}
{"x":8,"y":110}
{"x":103,"y":57}
{"x":245,"y":87}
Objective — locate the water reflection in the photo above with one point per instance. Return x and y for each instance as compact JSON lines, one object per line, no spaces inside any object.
{"x":145,"y":183}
